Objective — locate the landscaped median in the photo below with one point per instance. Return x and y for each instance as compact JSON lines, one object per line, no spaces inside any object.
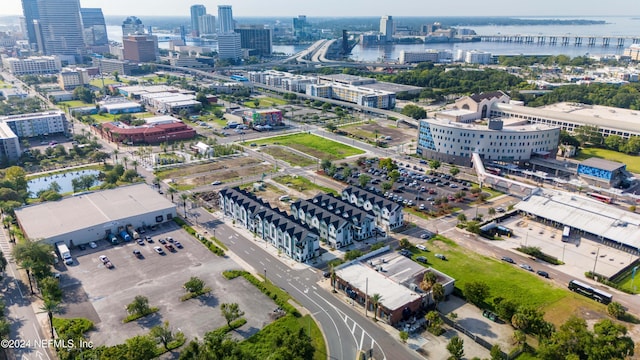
{"x":218,"y":250}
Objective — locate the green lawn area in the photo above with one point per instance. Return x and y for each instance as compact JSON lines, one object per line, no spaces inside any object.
{"x":263,"y":343}
{"x":504,"y":280}
{"x":291,"y":158}
{"x":74,"y":104}
{"x":628,"y":283}
{"x":266,"y":102}
{"x":303,"y":184}
{"x":107,"y":81}
{"x":632,"y":162}
{"x":154,"y":79}
{"x":313,"y":145}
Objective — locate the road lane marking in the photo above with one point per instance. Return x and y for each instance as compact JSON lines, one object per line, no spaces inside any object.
{"x":278,"y":275}
{"x":261,"y":263}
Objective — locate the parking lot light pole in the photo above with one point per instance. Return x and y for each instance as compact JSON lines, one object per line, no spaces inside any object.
{"x":265,"y":274}
{"x":596,"y":262}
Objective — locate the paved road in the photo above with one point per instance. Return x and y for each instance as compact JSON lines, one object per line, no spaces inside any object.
{"x":345,"y":328}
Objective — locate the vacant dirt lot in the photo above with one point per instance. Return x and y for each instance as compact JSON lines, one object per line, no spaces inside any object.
{"x":219,"y":170}
{"x":367,"y":131}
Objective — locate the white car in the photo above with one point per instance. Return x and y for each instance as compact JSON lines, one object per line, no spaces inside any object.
{"x":159,"y":250}
{"x":93,"y":245}
{"x":421,"y":247}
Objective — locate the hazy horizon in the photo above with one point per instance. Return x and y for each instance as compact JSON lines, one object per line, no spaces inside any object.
{"x":353,"y":8}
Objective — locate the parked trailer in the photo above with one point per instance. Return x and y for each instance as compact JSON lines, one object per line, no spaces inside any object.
{"x":125,"y":235}
{"x":133,"y":232}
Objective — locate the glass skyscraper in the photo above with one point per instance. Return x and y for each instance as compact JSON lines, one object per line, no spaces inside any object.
{"x":95,"y":29}
{"x":56,"y":27}
{"x":225,"y":19}
{"x":196,"y":12}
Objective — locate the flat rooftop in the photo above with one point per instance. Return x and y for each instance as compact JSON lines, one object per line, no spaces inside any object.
{"x":396,"y":88}
{"x":603,"y":116}
{"x":54,"y":218}
{"x":602,"y":164}
{"x":586,"y":214}
{"x":509,"y":125}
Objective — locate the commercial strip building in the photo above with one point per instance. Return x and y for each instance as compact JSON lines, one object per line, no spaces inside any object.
{"x":120,"y":106}
{"x":337,"y":222}
{"x":92,"y":216}
{"x":263,"y":119}
{"x":155,"y":130}
{"x":395,"y":278}
{"x":34,"y":65}
{"x":388,"y":214}
{"x":603,"y":173}
{"x":612,"y":225}
{"x":272,"y":225}
{"x":171,"y":102}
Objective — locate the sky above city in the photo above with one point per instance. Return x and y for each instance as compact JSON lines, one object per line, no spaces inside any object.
{"x":350,"y":8}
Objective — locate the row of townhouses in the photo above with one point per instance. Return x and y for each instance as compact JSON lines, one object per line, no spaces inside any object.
{"x":337,"y":222}
{"x":388,"y":214}
{"x":272,"y":225}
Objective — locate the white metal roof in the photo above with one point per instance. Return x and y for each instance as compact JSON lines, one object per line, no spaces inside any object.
{"x":586,"y":214}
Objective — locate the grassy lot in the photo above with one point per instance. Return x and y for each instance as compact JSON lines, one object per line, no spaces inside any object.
{"x":506,"y":280}
{"x":630,"y":284}
{"x":313,"y":145}
{"x":265,"y":102}
{"x":303,"y":184}
{"x":75,"y":103}
{"x":633,"y":162}
{"x":107,"y":81}
{"x":291,"y":158}
{"x":153,"y":79}
{"x":262,"y":343}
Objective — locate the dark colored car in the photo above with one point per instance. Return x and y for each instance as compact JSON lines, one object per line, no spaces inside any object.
{"x":544,"y":274}
{"x":138,"y":254}
{"x":508,"y":259}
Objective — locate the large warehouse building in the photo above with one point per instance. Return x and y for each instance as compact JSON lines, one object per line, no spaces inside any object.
{"x":92,"y":216}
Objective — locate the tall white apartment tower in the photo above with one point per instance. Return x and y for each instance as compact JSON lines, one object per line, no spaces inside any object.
{"x":386,"y":28}
{"x":225,"y":19}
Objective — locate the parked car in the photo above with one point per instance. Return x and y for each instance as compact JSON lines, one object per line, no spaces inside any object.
{"x":178,"y":244}
{"x":441,"y":257}
{"x":544,"y":274}
{"x":421,"y":259}
{"x":148,"y":239}
{"x":500,"y":209}
{"x":422,"y":247}
{"x":138,"y":254}
{"x":140,"y":241}
{"x":526,"y":267}
{"x":170,"y":247}
{"x":105,"y":260}
{"x":216,"y":183}
{"x":490,"y":315}
{"x":93,"y":245}
{"x":82,"y":247}
{"x":162,"y":241}
{"x":159,"y":250}
{"x":170,"y":239}
{"x":508,"y":259}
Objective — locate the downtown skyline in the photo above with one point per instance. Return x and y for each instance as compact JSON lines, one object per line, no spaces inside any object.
{"x":356,"y":8}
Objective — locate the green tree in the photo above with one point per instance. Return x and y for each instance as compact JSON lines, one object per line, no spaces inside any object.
{"x":611,"y":341}
{"x":172,"y":191}
{"x":473,"y":227}
{"x":386,"y":186}
{"x":184,"y":198}
{"x":434,"y":322}
{"x":3,"y":262}
{"x":414,"y":111}
{"x":35,"y":256}
{"x":139,"y":306}
{"x":231,"y":312}
{"x":333,"y":277}
{"x":50,"y":307}
{"x":163,"y":334}
{"x":428,"y":279}
{"x":50,"y":288}
{"x":84,"y":94}
{"x":491,"y":211}
{"x":404,"y":336}
{"x":194,"y":285}
{"x":616,"y":310}
{"x":437,"y":291}
{"x":505,"y":308}
{"x":614,"y":142}
{"x":387,"y":163}
{"x":434,"y":164}
{"x":496,"y":353}
{"x":363,"y":180}
{"x":375,"y":300}
{"x":454,"y":170}
{"x":462,"y":218}
{"x":476,"y":291}
{"x":404,"y":243}
{"x":456,"y":348}
{"x":331,"y":126}
{"x":141,"y":347}
{"x":394,"y":175}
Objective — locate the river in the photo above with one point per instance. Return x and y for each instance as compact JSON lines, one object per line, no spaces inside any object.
{"x":614,"y":26}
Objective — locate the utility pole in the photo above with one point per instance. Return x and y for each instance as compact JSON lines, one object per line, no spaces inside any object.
{"x":596,"y":262}
{"x":366,"y":297}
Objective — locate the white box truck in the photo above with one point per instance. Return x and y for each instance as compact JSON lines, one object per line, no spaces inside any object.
{"x":64,"y":252}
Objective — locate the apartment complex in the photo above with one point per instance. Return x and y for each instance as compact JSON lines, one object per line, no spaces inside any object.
{"x":388,"y":214}
{"x":69,"y":79}
{"x":37,"y":124}
{"x":283,"y":80}
{"x":34,"y":65}
{"x":366,"y":97}
{"x":9,"y":144}
{"x":270,"y":224}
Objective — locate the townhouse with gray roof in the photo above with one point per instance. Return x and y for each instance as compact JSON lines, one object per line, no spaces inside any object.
{"x":388,"y":214}
{"x":272,"y":225}
{"x":337,"y":222}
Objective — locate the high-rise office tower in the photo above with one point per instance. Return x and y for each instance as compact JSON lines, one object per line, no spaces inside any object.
{"x":30,"y":11}
{"x":131,"y":26}
{"x":225,"y":19}
{"x":255,"y":37}
{"x":60,"y":28}
{"x":196,"y":12}
{"x":207,"y":23}
{"x":140,"y":48}
{"x":95,"y":29}
{"x":301,"y":28}
{"x":229,"y":46}
{"x":386,"y":28}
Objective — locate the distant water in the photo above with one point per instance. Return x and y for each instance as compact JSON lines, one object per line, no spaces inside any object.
{"x":63,"y":180}
{"x":615,"y":26}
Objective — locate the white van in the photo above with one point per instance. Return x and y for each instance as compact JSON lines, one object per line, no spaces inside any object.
{"x":285,"y":198}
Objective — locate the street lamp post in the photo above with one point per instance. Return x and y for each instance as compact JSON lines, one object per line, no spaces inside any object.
{"x":596,"y":262}
{"x":563,"y":247}
{"x":265,"y":274}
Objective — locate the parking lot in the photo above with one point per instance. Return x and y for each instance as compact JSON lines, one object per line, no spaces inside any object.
{"x":413,"y":188}
{"x":101,"y":295}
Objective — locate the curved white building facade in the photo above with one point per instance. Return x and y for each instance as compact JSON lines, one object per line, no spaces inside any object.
{"x":497,"y":140}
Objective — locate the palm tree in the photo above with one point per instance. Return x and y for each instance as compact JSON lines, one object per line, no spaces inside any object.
{"x":491,"y":211}
{"x":27,"y":264}
{"x":125,"y":160}
{"x":375,"y":300}
{"x":184,"y":198}
{"x":437,"y":292}
{"x":50,"y":307}
{"x":333,"y":277}
{"x":115,"y":154}
{"x":135,"y":165}
{"x":172,"y":191}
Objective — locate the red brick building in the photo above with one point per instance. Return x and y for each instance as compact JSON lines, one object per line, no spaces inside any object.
{"x":150,"y":133}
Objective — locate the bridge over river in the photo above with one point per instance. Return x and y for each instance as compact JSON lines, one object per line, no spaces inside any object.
{"x":564,"y":40}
